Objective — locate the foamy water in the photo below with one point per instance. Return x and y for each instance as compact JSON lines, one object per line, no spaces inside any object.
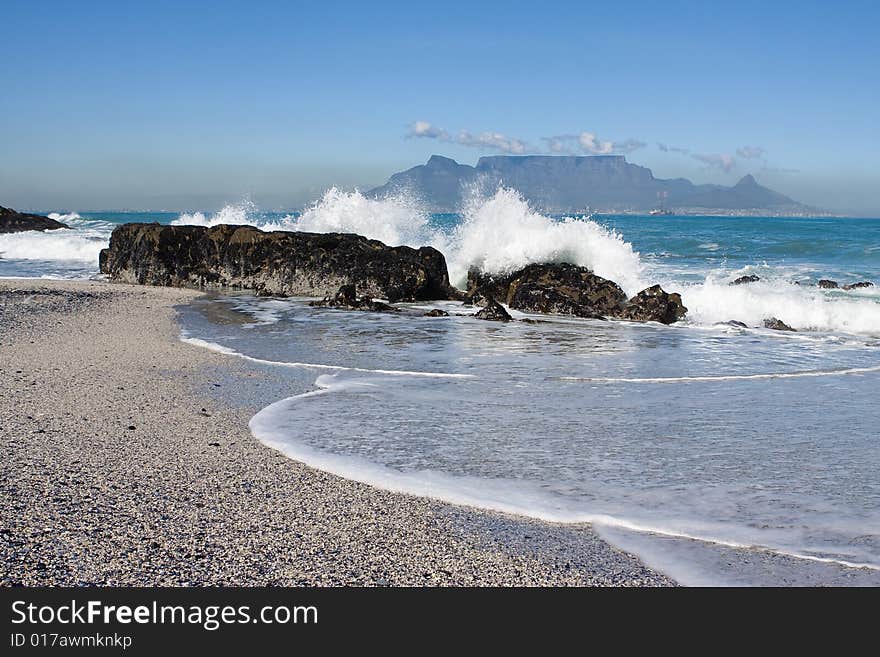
{"x":62,"y":253}
{"x":675,"y":434}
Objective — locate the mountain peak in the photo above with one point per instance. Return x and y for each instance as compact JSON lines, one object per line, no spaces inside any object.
{"x":438,"y":161}
{"x":747,"y":180}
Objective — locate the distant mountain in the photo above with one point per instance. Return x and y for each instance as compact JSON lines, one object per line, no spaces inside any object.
{"x":555,"y":183}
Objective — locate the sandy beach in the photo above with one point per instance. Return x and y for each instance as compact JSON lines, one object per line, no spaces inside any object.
{"x":119,"y":470}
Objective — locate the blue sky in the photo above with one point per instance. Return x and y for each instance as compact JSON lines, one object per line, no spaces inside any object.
{"x":184,"y":105}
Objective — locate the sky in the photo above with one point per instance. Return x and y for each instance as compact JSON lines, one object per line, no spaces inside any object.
{"x":179,"y":105}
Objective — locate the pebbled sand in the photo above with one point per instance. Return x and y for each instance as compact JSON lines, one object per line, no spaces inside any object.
{"x":109,"y":476}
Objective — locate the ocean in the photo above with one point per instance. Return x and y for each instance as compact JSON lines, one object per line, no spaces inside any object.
{"x":720,"y":454}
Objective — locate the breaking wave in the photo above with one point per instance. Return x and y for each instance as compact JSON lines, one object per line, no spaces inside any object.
{"x":64,"y":218}
{"x":500,"y":232}
{"x":242,"y":213}
{"x":804,"y":308}
{"x":81,"y":243}
{"x":399,"y":220}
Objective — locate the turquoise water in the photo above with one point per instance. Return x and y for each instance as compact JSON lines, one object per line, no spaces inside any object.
{"x":720,"y":454}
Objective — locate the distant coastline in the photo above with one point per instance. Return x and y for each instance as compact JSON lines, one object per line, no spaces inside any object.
{"x":721,"y":212}
{"x":607,"y":184}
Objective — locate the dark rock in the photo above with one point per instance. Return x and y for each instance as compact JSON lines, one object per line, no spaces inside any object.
{"x":568,"y":289}
{"x":17,"y":222}
{"x":279,"y":263}
{"x":550,"y":288}
{"x":732,"y":322}
{"x":347,"y":298}
{"x":856,"y":286}
{"x":537,"y":298}
{"x":828,"y":285}
{"x":742,"y":280}
{"x":482,"y":287}
{"x":494,"y":311}
{"x":654,"y":305}
{"x":436,"y":312}
{"x":777,"y":325}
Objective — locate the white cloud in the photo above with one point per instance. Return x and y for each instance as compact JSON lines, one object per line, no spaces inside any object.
{"x":584,"y":143}
{"x":588,"y":143}
{"x":718,"y":160}
{"x":425,"y":129}
{"x":492,"y":141}
{"x":591,"y":144}
{"x":485,"y":140}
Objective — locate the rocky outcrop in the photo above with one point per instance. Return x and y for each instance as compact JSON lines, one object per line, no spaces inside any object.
{"x":742,"y":280}
{"x":655,"y":305}
{"x":436,"y":312}
{"x":828,"y":285}
{"x":550,"y":288}
{"x":567,"y":289}
{"x":856,"y":286}
{"x":279,"y":263}
{"x":777,"y":325}
{"x":347,"y":299}
{"x":494,"y":312}
{"x":17,"y":222}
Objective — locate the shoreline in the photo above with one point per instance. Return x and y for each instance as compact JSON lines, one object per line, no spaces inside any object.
{"x":120,"y":471}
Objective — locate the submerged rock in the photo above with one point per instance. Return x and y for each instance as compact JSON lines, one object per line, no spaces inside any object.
{"x":436,"y":312}
{"x":856,"y":286}
{"x":17,"y":222}
{"x":828,"y":285}
{"x":733,"y":322}
{"x":279,"y":263}
{"x":655,"y":305}
{"x":742,"y":280}
{"x":347,"y":298}
{"x":777,"y":325}
{"x":494,"y":312}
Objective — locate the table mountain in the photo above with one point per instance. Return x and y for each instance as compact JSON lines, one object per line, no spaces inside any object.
{"x":555,"y":183}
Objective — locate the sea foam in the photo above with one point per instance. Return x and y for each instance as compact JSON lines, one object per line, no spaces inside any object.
{"x":503,"y":233}
{"x":81,"y":243}
{"x":244,"y":212}
{"x":281,"y":425}
{"x":64,"y":217}
{"x":399,"y":220}
{"x":802,"y":307}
